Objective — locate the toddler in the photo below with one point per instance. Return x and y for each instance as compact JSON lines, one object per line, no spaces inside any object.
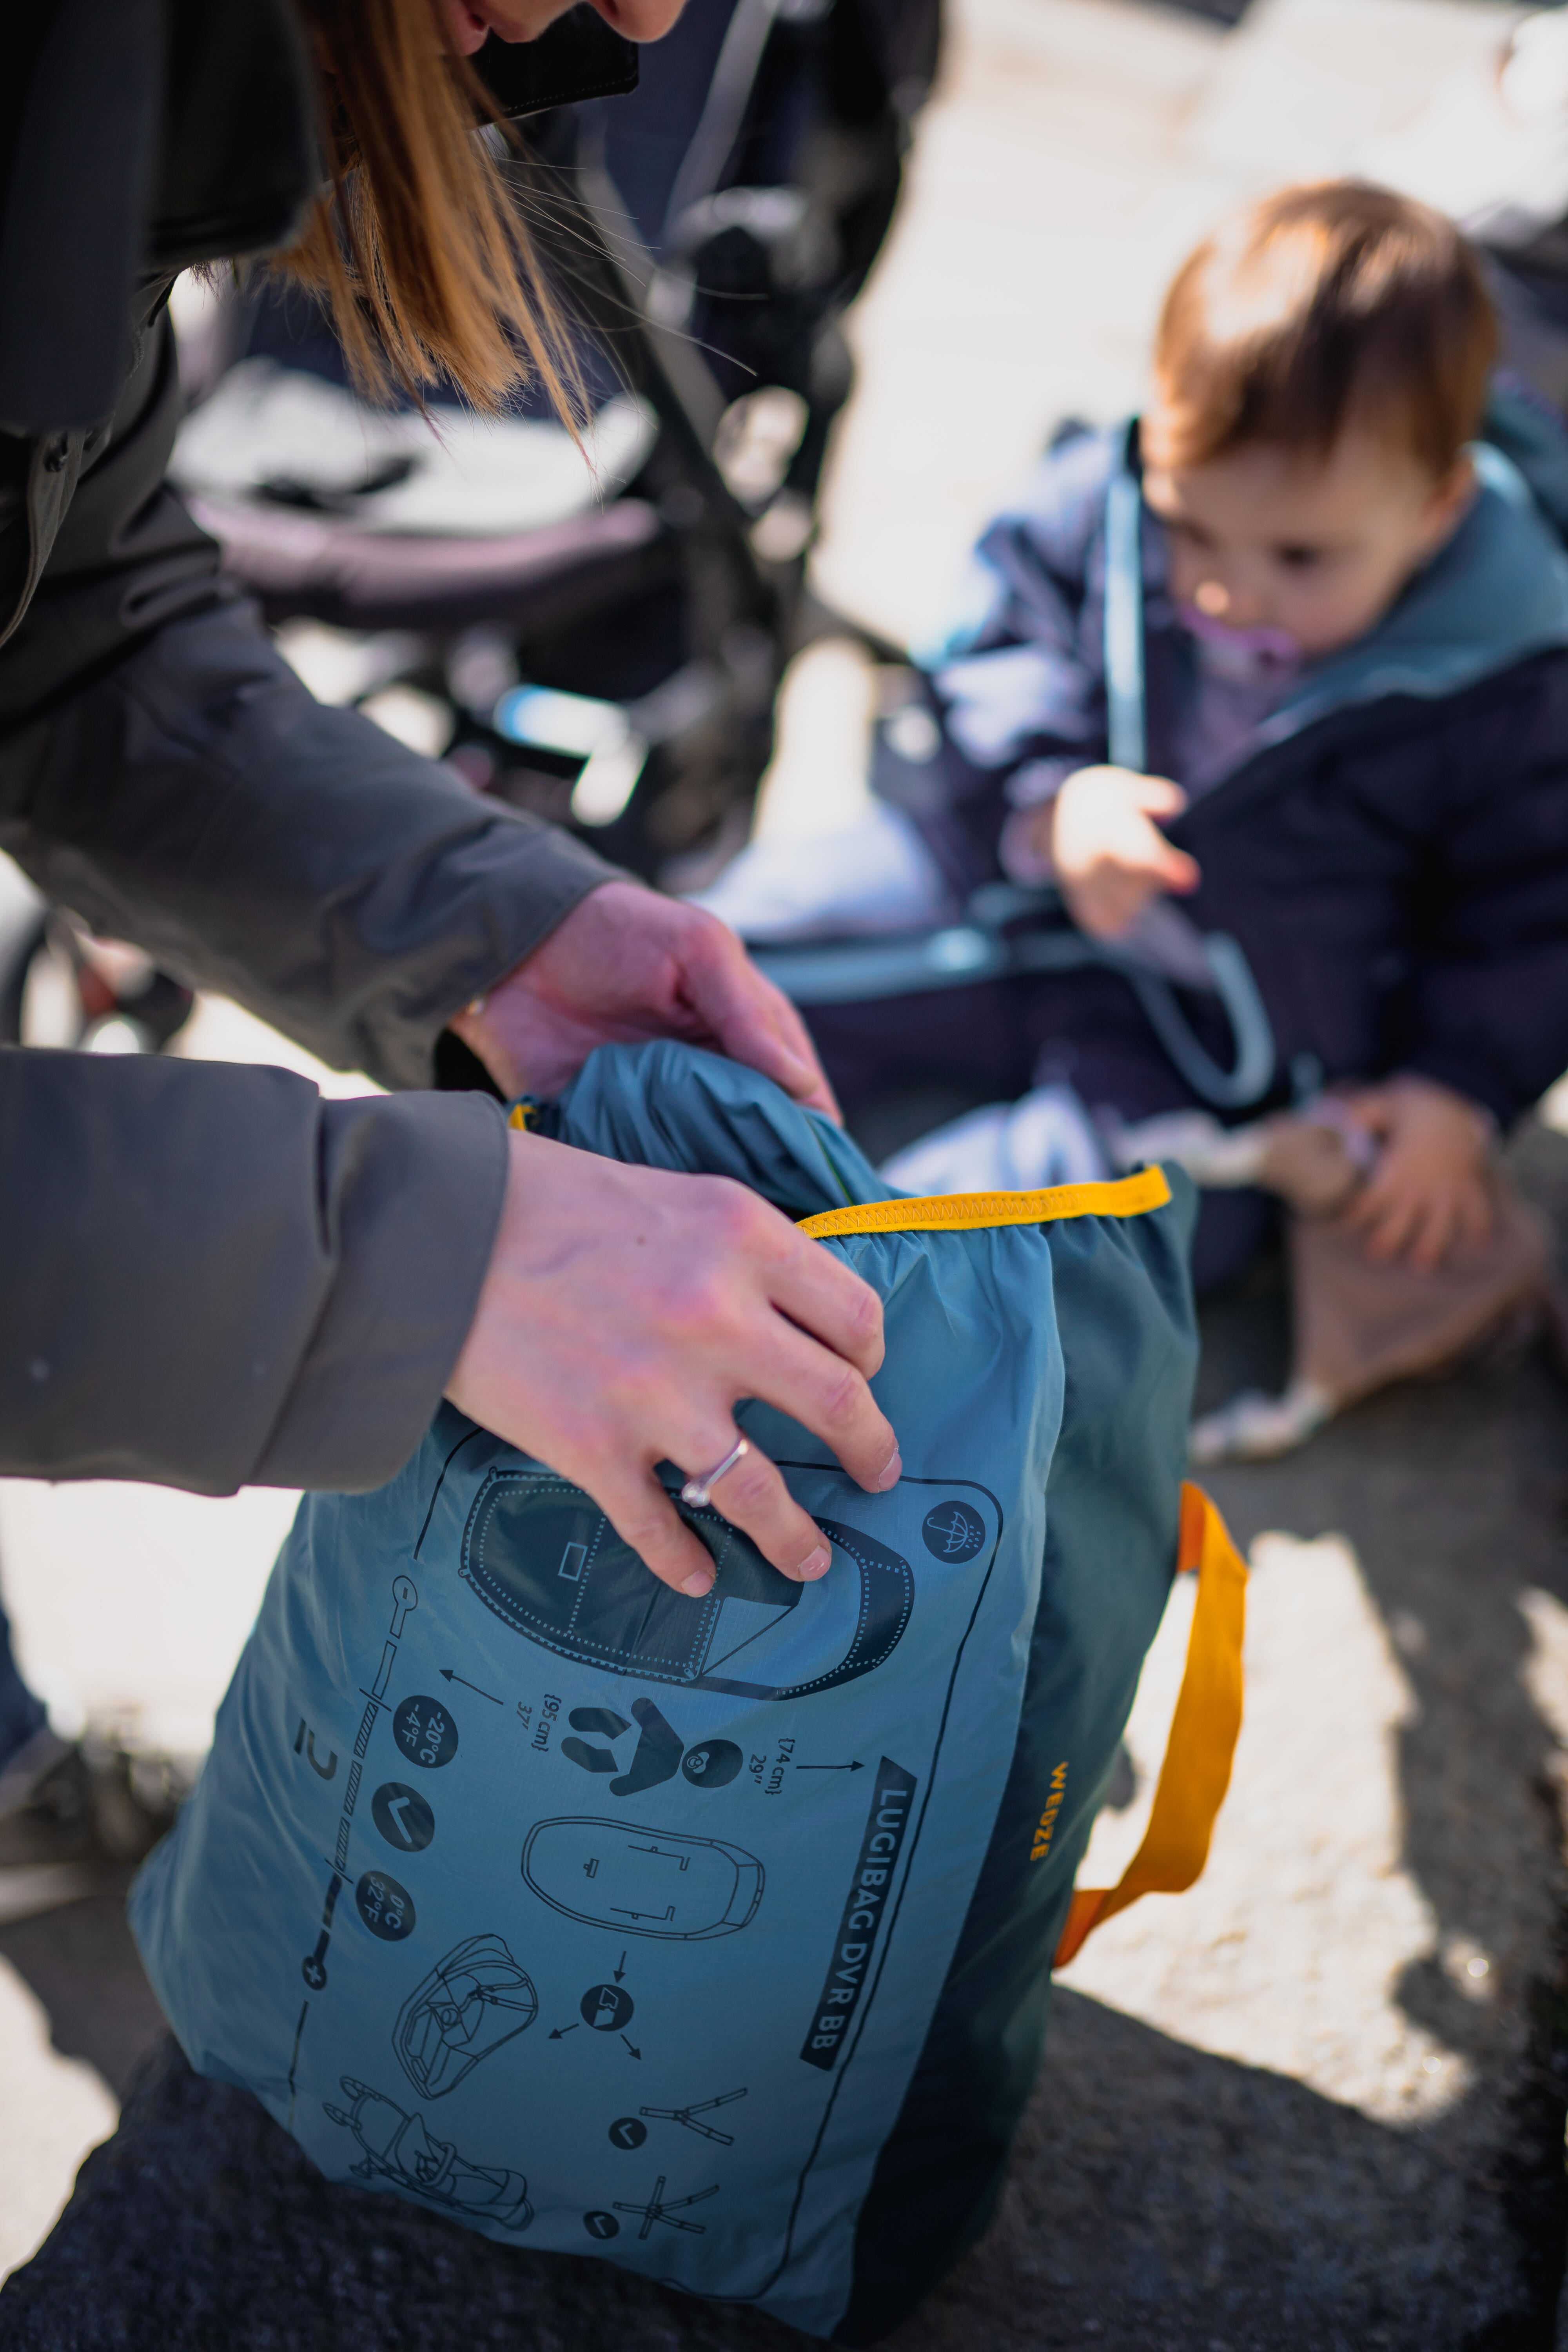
{"x":1355,"y":711}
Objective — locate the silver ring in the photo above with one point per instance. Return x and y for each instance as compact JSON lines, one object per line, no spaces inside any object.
{"x":698,"y":1491}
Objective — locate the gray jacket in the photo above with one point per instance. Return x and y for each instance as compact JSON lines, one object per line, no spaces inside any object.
{"x":208,"y":1276}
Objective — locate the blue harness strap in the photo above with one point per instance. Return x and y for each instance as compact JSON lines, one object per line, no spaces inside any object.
{"x":986,"y":946}
{"x":1252,"y":1072}
{"x":1126,"y":733}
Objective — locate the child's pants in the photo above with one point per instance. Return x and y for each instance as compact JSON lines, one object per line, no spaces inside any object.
{"x":993,"y":1042}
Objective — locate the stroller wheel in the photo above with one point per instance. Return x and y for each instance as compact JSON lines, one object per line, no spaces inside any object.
{"x":60,"y":987}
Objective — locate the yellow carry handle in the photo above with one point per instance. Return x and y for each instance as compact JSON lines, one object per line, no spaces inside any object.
{"x":1202,"y":1746}
{"x":1199,"y":1753}
{"x":951,"y":1213}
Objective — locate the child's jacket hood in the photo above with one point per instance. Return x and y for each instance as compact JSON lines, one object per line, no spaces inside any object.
{"x":1497,"y":593}
{"x":1020,"y":676}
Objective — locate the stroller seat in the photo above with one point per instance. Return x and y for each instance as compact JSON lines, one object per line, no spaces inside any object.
{"x":278,"y":435}
{"x":325,"y":568}
{"x":330,"y":509}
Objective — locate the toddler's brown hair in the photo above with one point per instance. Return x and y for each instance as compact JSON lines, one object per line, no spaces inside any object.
{"x":1319,"y":307}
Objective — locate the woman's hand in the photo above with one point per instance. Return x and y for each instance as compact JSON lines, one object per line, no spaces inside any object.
{"x":1428,"y":1189}
{"x":626,"y":1311}
{"x":1110,"y":857}
{"x":627,"y":964}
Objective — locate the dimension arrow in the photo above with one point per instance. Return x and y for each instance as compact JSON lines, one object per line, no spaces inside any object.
{"x":561,"y":2032}
{"x":635,"y":2053}
{"x":828,"y":1767}
{"x":448,"y":1675}
{"x":621,"y":1970}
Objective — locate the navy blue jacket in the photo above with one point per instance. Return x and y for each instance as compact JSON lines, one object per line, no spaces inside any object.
{"x":1392,"y":850}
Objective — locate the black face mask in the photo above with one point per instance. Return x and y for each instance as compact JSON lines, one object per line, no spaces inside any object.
{"x":579,"y":58}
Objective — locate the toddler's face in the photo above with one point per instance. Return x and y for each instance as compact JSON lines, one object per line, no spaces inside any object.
{"x":1320,"y":547}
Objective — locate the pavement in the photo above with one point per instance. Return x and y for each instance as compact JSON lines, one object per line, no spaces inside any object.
{"x":1319,"y":2101}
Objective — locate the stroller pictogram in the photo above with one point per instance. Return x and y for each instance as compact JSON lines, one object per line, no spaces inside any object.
{"x":542,"y":1555}
{"x":400,"y":2148}
{"x":688,"y":2115}
{"x":661,"y":2208}
{"x":471,"y":2003}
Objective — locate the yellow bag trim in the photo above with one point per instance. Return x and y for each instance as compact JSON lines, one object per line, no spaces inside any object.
{"x":1195,"y":1773}
{"x":1129,"y":1196}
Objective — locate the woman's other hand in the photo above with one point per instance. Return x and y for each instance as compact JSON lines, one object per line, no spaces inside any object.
{"x":1109,"y":855}
{"x":627,"y":964}
{"x":1428,"y":1189}
{"x":625,"y":1313}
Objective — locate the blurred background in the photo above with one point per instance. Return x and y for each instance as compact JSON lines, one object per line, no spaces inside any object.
{"x":951,"y":256}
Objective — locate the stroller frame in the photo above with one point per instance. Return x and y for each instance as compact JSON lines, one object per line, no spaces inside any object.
{"x":678,"y":544}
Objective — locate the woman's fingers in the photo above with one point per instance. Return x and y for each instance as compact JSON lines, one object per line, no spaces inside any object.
{"x":627,"y":963}
{"x":625,"y":1312}
{"x":753,"y":1497}
{"x":750,"y":1019}
{"x":816,"y":1289}
{"x":643,"y":1515}
{"x":816,"y":1388}
{"x":811,"y":1341}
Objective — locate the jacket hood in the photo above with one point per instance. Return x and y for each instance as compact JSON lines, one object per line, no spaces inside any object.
{"x":1495,"y":594}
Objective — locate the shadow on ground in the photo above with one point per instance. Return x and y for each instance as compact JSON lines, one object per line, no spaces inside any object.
{"x":1162,"y":2199}
{"x":82,"y":1965}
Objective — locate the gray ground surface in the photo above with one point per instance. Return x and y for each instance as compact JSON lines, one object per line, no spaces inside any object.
{"x":1165,"y":2198}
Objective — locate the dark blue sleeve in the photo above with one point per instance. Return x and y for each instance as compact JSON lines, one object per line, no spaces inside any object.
{"x":1019,"y":677}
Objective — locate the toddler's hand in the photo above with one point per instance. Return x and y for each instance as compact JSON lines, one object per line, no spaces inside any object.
{"x":1428,"y":1189}
{"x":1110,"y":857}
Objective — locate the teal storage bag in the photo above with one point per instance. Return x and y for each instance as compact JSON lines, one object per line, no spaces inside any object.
{"x":710,"y":1937}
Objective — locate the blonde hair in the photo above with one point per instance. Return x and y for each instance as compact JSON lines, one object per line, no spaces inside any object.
{"x":418,"y":249}
{"x":1319,"y":306}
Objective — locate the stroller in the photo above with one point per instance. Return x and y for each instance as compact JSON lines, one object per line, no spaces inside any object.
{"x":602,"y":648}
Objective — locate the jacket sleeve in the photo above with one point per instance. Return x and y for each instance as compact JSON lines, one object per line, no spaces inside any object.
{"x":196,"y":801}
{"x":207,"y":1275}
{"x":164,"y":773}
{"x":1488,"y":1002}
{"x":1019,"y":681}
{"x":213,"y":1278}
